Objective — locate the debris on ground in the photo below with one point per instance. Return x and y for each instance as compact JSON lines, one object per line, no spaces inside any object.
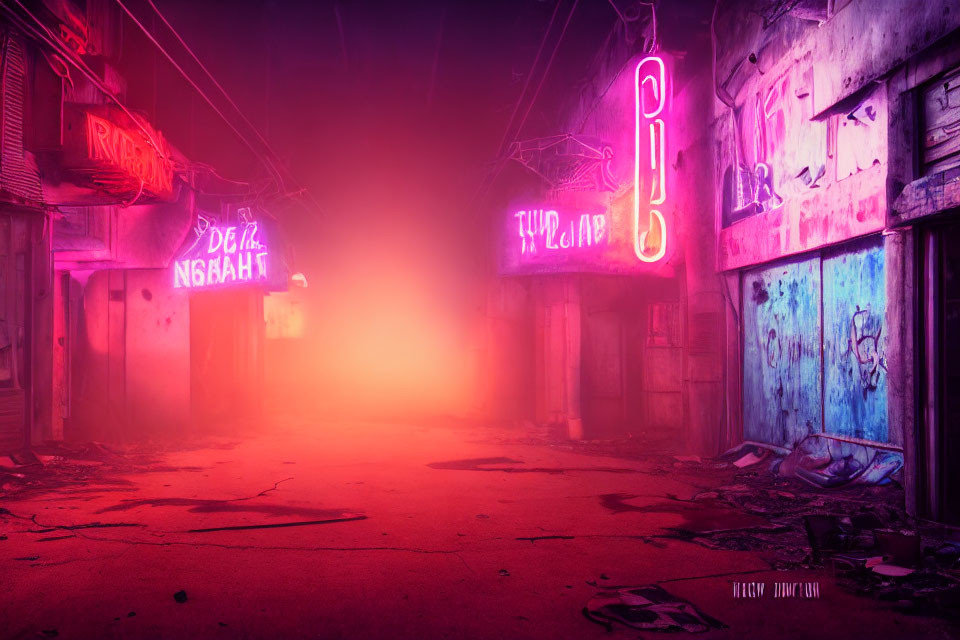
{"x":825,"y":504}
{"x":647,"y":608}
{"x":180,"y":596}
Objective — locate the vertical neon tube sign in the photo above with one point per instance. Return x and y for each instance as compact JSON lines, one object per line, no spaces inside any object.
{"x":650,"y":83}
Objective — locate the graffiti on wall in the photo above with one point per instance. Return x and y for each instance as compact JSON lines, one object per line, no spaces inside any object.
{"x":865,"y":345}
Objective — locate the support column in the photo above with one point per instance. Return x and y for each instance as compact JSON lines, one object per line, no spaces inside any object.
{"x":572,"y":357}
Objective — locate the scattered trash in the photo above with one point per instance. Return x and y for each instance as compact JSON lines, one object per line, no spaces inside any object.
{"x":535,"y":538}
{"x":901,"y":547}
{"x":891,"y":570}
{"x":131,"y":614}
{"x":504,"y":572}
{"x":25,"y":458}
{"x":483,"y":516}
{"x":751,"y":458}
{"x":484,"y":464}
{"x":647,"y":608}
{"x":50,"y":633}
{"x":180,"y":596}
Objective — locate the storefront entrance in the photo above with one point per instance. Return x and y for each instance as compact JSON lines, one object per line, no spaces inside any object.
{"x":939,"y":444}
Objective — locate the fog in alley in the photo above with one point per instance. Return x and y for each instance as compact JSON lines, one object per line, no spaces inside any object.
{"x":500,"y":319}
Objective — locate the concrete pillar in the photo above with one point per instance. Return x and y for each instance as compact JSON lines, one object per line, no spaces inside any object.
{"x":40,"y":330}
{"x":572,"y":357}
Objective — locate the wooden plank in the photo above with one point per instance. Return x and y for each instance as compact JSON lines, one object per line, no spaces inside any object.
{"x":928,"y":195}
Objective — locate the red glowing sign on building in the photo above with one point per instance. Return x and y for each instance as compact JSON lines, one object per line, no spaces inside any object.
{"x":650,"y":84}
{"x":222,"y":256}
{"x":133,"y":160}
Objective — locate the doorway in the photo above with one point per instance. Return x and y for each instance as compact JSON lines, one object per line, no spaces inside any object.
{"x":939,"y":441}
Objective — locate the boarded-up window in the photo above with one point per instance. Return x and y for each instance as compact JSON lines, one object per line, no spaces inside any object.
{"x":940,"y":112}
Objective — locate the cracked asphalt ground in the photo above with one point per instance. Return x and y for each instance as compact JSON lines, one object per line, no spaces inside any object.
{"x":378,"y":543}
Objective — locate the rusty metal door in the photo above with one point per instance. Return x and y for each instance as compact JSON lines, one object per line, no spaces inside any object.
{"x":603,"y":402}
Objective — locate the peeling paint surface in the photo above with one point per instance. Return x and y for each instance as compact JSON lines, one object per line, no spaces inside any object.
{"x":855,"y":337}
{"x":782,"y":358}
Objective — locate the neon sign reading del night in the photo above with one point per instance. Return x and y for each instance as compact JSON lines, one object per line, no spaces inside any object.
{"x":222,"y":256}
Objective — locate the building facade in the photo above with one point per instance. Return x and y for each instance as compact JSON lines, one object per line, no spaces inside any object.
{"x":810,"y":159}
{"x":103,"y":338}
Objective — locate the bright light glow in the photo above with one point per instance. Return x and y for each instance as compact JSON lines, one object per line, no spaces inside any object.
{"x":218,"y":257}
{"x":540,"y":228}
{"x":129,"y":152}
{"x":650,"y":80}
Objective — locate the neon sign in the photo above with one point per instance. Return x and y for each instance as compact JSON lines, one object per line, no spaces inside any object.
{"x":129,"y":154}
{"x":222,"y":256}
{"x":650,"y":151}
{"x":541,"y":231}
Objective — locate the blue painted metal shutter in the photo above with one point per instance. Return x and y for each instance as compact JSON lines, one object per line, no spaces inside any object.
{"x":782,"y":387}
{"x":855,"y":337}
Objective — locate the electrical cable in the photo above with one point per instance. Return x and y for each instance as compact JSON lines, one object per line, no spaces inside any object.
{"x":52,"y":41}
{"x":502,"y":161}
{"x":268,"y":162}
{"x":526,"y":83}
{"x":223,"y":91}
{"x":275,"y":156}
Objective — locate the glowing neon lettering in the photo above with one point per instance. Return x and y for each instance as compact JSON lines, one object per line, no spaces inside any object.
{"x":144,"y":162}
{"x":650,"y":88}
{"x":215,"y":234}
{"x":230,"y":240}
{"x":541,"y":228}
{"x":221,"y":256}
{"x":181,"y":277}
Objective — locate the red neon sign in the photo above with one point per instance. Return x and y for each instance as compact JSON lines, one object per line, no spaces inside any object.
{"x":222,"y":256}
{"x":650,"y":85}
{"x":128,"y":152}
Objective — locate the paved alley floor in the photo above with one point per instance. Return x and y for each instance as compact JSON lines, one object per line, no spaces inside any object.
{"x":387,"y":531}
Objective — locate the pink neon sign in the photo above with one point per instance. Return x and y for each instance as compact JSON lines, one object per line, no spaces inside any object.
{"x":541,"y":231}
{"x":222,"y":256}
{"x":650,"y":84}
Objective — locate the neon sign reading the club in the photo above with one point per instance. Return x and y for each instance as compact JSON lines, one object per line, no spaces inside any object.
{"x":651,"y":96}
{"x":222,"y":256}
{"x":541,"y":230}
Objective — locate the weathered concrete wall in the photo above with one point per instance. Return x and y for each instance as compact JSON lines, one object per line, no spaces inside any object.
{"x":157,"y":353}
{"x":131,"y":363}
{"x":792,"y":178}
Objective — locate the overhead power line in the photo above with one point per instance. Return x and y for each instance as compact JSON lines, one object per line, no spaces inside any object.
{"x":502,"y":156}
{"x":256,"y":142}
{"x":44,"y":35}
{"x":265,"y":153}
